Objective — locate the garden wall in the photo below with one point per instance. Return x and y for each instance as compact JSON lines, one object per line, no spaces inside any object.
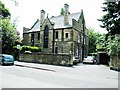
{"x":52,"y":59}
{"x":115,"y":63}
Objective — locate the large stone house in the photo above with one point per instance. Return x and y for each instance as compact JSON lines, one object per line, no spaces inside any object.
{"x":59,"y":34}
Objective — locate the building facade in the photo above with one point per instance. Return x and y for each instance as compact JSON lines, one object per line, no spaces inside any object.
{"x":59,"y":34}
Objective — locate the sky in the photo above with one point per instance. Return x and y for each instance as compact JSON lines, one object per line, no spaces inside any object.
{"x":28,"y":11}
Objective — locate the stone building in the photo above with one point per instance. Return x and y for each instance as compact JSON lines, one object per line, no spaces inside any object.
{"x":59,"y":34}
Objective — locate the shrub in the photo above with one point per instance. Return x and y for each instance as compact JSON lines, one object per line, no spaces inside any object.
{"x":24,"y":48}
{"x":35,"y":49}
{"x":30,"y":48}
{"x":14,"y":47}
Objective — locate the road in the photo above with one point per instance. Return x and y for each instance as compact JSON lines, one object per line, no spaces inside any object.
{"x":81,"y":76}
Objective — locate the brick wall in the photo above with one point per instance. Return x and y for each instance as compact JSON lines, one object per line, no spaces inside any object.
{"x":52,"y":59}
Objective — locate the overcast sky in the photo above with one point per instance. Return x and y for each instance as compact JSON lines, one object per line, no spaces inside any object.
{"x":28,"y":11}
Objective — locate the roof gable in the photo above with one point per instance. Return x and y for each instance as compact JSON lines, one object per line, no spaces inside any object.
{"x":48,"y":23}
{"x":58,"y":22}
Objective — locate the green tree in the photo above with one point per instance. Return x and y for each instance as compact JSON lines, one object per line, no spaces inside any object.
{"x":100,"y":42}
{"x":4,"y":11}
{"x":96,"y":41}
{"x":8,"y":30}
{"x":8,"y":35}
{"x":92,"y":40}
{"x":62,"y":11}
{"x":113,"y":49}
{"x":111,"y":20}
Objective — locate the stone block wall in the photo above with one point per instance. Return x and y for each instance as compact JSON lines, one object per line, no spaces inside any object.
{"x":51,"y":59}
{"x":36,"y":39}
{"x":115,"y":63}
{"x":26,"y":39}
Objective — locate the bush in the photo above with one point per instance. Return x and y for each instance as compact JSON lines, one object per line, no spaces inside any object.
{"x":30,"y":48}
{"x":14,"y":47}
{"x":24,"y":48}
{"x":35,"y":49}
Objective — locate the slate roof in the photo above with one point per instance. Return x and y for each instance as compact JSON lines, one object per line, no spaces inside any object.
{"x":35,"y":27}
{"x":58,"y":22}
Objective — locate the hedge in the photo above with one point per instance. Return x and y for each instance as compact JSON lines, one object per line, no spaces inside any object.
{"x":29,"y":48}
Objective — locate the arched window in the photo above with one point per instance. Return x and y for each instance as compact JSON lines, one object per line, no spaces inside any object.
{"x":46,"y":34}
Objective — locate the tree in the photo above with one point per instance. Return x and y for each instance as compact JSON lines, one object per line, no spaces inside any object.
{"x":8,"y":35}
{"x":62,"y":11}
{"x":96,"y":41}
{"x":16,"y":3}
{"x":111,"y":20}
{"x":4,"y":11}
{"x":92,"y":40}
{"x":8,"y":30}
{"x":100,"y":42}
{"x":113,"y":49}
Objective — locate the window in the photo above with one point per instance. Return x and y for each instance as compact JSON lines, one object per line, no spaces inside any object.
{"x":32,"y":39}
{"x":78,"y":39}
{"x":38,"y":35}
{"x":46,"y":34}
{"x":56,"y":34}
{"x":66,"y":35}
{"x":56,"y":49}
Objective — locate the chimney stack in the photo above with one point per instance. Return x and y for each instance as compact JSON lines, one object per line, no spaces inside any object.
{"x":66,"y":21}
{"x":42,"y":17}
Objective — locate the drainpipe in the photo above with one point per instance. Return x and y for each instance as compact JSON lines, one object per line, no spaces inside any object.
{"x":83,"y":41}
{"x":53,"y":46}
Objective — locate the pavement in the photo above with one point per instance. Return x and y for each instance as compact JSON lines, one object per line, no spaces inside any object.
{"x":64,"y":69}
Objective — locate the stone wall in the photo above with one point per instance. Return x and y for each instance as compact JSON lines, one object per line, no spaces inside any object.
{"x":52,"y":59}
{"x":26,"y":39}
{"x":115,"y":63}
{"x":36,"y":38}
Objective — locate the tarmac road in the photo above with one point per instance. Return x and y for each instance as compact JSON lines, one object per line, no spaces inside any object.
{"x":29,"y":75}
